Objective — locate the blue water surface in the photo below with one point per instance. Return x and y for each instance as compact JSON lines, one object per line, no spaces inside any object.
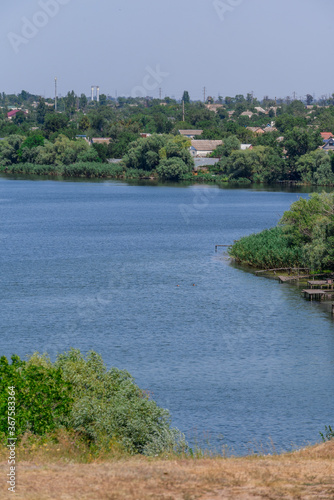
{"x":131,"y":272}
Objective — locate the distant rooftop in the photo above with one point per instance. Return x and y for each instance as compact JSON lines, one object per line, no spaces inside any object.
{"x":205,"y":145}
{"x":100,"y":140}
{"x":190,"y":132}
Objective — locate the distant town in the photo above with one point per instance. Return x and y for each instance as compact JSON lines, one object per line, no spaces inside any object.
{"x":227,"y":139}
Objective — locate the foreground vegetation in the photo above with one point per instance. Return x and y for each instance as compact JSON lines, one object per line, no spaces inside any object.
{"x":304,"y":237}
{"x":87,"y":432}
{"x":101,"y":409}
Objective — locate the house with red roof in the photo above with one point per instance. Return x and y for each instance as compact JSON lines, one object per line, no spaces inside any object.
{"x":326,"y":136}
{"x":13,"y":113}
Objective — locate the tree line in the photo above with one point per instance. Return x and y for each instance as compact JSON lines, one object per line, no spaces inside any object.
{"x":38,"y":135}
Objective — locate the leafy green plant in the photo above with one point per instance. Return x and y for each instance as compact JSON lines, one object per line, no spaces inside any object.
{"x":103,"y":407}
{"x":269,"y":249}
{"x":108,"y":404}
{"x":43,"y":398}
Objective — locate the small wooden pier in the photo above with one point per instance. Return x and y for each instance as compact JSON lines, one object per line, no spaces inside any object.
{"x":319,"y":289}
{"x":321,"y":283}
{"x":318,"y":293}
{"x":284,"y":279}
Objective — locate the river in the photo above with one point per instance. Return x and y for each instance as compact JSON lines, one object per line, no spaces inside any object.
{"x":130,"y":271}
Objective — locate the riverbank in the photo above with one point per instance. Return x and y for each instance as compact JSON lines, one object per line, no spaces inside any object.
{"x":304,"y":474}
{"x":113,"y":171}
{"x":118,"y":171}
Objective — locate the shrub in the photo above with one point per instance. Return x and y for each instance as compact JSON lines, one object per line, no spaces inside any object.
{"x":102,"y":406}
{"x":172,"y":168}
{"x":43,"y":398}
{"x":108,"y":404}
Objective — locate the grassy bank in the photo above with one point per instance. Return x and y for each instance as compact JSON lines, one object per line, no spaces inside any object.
{"x":79,"y":169}
{"x":304,"y":474}
{"x":111,"y":171}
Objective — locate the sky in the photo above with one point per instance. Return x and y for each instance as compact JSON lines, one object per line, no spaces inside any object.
{"x":137,"y":47}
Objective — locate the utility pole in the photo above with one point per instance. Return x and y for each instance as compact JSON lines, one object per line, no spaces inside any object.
{"x":56,"y":92}
{"x":204,"y":93}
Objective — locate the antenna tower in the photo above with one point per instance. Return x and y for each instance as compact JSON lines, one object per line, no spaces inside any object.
{"x":56,"y":94}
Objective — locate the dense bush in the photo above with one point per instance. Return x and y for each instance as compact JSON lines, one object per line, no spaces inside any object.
{"x":167,"y":154}
{"x":316,"y":168}
{"x":269,"y":249}
{"x":80,"y":394}
{"x":43,"y":397}
{"x":78,"y":169}
{"x":260,"y":164}
{"x":304,"y":238}
{"x":172,"y":169}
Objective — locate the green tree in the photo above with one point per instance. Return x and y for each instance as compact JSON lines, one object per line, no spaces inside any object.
{"x":185,"y":97}
{"x":84,"y":123}
{"x":119,"y":144}
{"x":33,"y":141}
{"x":102,"y":152}
{"x":88,"y":155}
{"x":146,"y":154}
{"x":230,"y":144}
{"x":54,"y":122}
{"x":83,"y":102}
{"x":240,"y":164}
{"x":70,"y":102}
{"x":41,"y":111}
{"x":298,"y":142}
{"x":286,"y":122}
{"x":315,"y":168}
{"x":19,"y":118}
{"x":172,"y":168}
{"x":309,"y":99}
{"x":9,"y":149}
{"x":103,"y":100}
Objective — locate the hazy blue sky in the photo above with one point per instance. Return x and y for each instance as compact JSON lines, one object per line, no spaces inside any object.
{"x":271,"y":47}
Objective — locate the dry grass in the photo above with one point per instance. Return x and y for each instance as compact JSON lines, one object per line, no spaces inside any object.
{"x":43,"y":474}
